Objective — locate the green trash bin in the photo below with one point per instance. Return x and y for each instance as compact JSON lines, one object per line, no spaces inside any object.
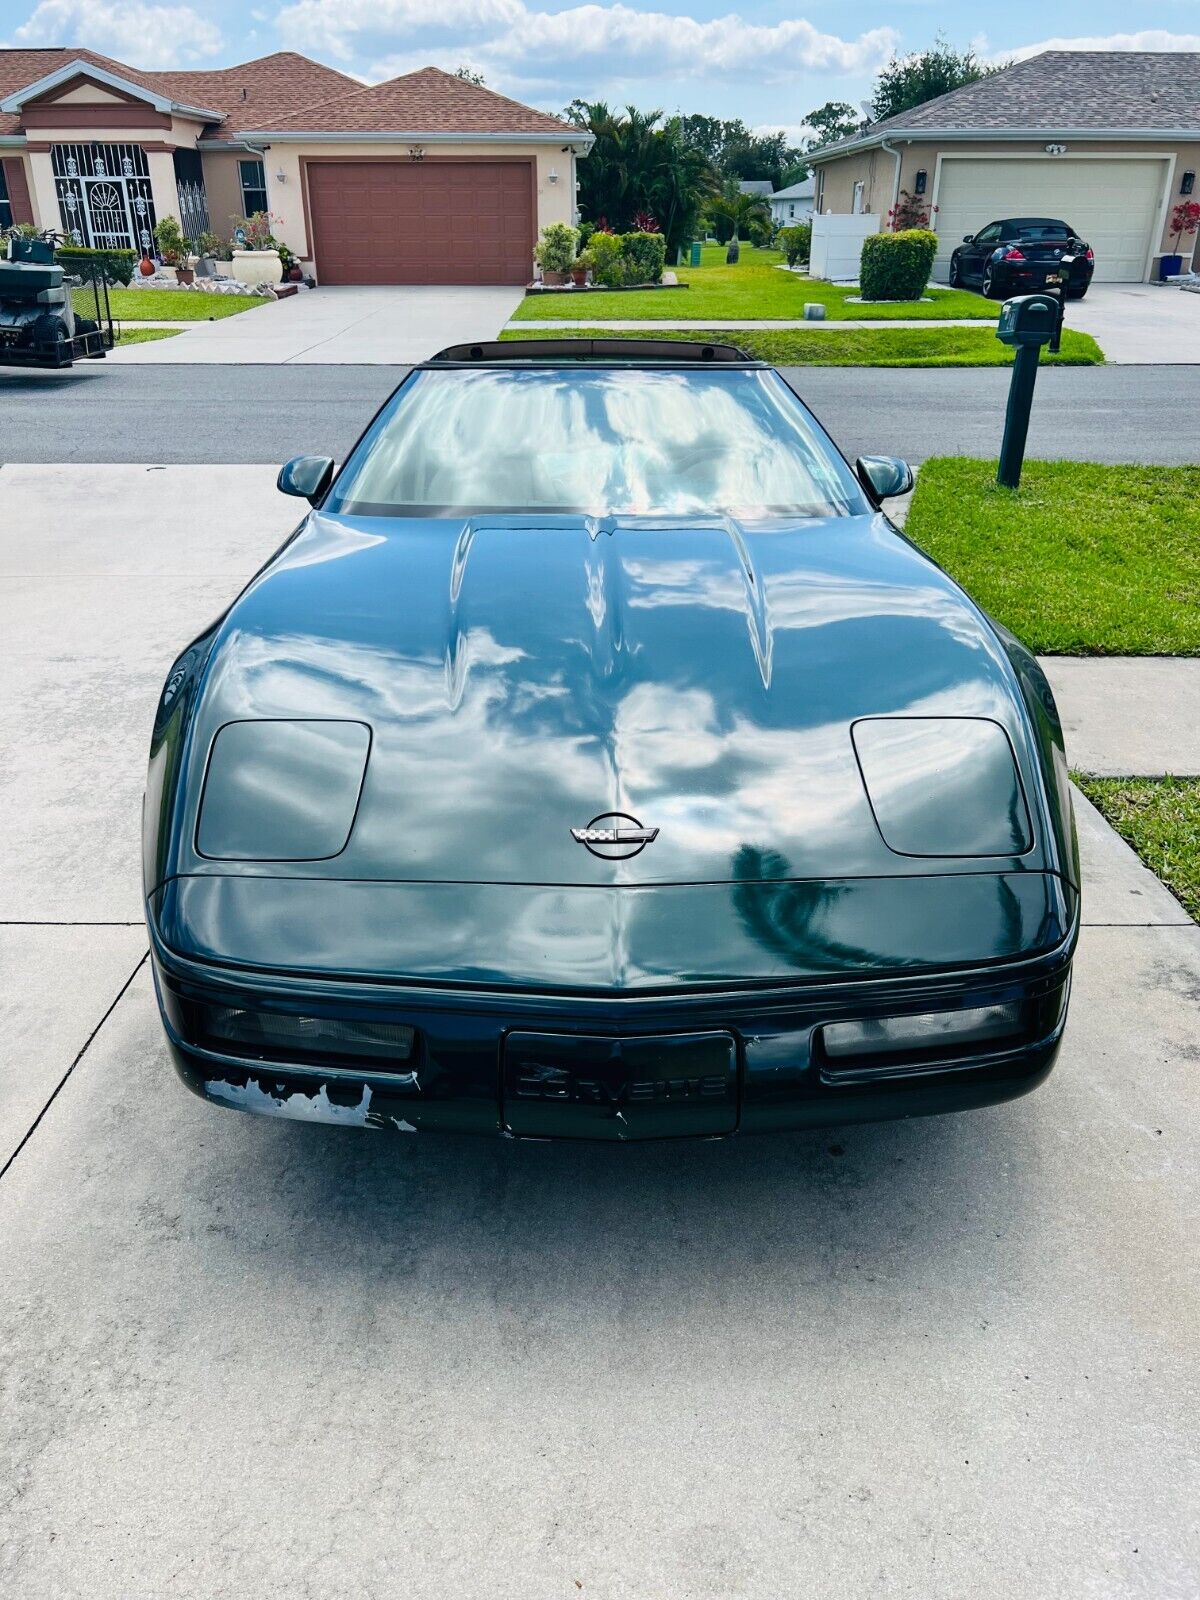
{"x":696,"y":247}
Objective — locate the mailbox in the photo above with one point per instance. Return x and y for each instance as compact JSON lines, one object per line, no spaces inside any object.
{"x":1027,"y":322}
{"x":1030,"y":319}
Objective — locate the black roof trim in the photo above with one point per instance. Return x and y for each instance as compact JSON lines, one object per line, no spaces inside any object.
{"x":497,"y":352}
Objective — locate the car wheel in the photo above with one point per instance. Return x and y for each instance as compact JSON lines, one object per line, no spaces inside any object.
{"x":955,"y":275}
{"x":988,"y":285}
{"x":1074,"y":294}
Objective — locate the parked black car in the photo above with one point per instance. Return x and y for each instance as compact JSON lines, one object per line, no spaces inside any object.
{"x":1023,"y":254}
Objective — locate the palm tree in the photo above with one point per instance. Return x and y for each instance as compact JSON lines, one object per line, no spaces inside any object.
{"x":734,"y":213}
{"x":638,"y":163}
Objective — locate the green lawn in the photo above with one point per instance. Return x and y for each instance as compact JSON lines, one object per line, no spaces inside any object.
{"x":146,"y":335}
{"x":166,"y":305}
{"x":1160,"y":818}
{"x":754,"y":288}
{"x":1081,"y":560}
{"x":845,"y":347}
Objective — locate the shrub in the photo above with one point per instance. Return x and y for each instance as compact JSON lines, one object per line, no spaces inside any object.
{"x":896,"y":266}
{"x":643,"y":256}
{"x":607,"y":265}
{"x":114,"y":267}
{"x":796,"y":242}
{"x":172,"y":246}
{"x":555,"y":251}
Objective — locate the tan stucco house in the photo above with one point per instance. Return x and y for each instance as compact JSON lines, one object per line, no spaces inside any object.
{"x":422,"y":179}
{"x":1107,"y":140}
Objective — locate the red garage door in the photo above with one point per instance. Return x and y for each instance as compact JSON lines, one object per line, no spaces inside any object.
{"x":422,"y":221}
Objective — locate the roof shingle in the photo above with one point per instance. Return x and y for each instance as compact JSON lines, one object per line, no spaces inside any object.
{"x":426,"y":101}
{"x":1128,"y":90}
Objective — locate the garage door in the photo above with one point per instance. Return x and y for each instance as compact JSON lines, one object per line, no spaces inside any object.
{"x":1111,"y":204}
{"x":422,"y":221}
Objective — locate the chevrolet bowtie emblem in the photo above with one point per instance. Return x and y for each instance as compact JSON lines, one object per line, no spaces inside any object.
{"x":614,"y":836}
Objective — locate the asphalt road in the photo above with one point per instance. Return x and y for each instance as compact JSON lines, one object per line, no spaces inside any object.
{"x":265,"y":414}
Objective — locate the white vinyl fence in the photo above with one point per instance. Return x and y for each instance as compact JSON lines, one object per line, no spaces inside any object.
{"x":837,"y":245}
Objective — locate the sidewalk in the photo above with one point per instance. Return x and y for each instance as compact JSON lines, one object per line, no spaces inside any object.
{"x":1129,"y":716}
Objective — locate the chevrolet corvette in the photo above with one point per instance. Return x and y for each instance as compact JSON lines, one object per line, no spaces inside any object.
{"x":597,"y":760}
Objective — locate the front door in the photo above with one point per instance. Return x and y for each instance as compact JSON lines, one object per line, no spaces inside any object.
{"x":104,"y":197}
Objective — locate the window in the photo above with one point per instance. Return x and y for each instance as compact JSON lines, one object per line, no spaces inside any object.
{"x":920,"y":181}
{"x":6,"y":216}
{"x":791,"y":209}
{"x":988,"y":235}
{"x":254,"y":187}
{"x":856,"y":203}
{"x":601,"y":441}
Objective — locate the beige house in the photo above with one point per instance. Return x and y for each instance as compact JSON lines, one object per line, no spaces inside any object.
{"x":1107,"y":140}
{"x":423,"y":179}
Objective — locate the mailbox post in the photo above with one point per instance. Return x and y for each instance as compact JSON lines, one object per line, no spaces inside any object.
{"x":1027,"y":322}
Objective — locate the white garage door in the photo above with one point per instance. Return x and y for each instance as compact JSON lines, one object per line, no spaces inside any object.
{"x":1111,"y":204}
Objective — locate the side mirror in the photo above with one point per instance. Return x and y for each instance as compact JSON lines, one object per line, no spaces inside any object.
{"x":968,"y":238}
{"x":883,"y":477}
{"x":306,"y":476}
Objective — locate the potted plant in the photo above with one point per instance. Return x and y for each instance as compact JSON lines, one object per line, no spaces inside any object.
{"x":255,"y":251}
{"x":292,"y":270}
{"x":1184,"y":219}
{"x":580,"y":268}
{"x":555,"y":252}
{"x":174,"y":248}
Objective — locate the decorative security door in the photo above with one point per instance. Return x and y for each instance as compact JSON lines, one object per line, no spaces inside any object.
{"x":104,"y":195}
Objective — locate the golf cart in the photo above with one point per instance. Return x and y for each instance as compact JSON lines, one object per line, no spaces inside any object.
{"x":42,"y":321}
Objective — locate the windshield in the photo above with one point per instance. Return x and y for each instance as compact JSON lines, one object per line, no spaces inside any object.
{"x":641,"y":442}
{"x":1041,"y":228}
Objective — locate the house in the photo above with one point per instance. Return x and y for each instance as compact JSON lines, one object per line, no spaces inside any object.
{"x":756,"y":186}
{"x":793,"y":204}
{"x":1107,"y":140}
{"x":422,"y":179}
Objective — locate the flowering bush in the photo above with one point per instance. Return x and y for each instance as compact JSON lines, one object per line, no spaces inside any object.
{"x":643,"y":222}
{"x":1185,"y":219}
{"x":257,"y":231}
{"x":909,"y":212}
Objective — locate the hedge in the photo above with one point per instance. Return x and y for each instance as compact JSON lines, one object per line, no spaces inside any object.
{"x":644,"y":256}
{"x":113,"y":266}
{"x":605,"y":251}
{"x":796,"y":242}
{"x":896,"y":266}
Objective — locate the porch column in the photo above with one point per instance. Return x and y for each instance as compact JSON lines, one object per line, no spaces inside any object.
{"x":161,"y":164}
{"x":43,"y":195}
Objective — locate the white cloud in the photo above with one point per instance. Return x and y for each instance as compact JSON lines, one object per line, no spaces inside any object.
{"x":511,"y":42}
{"x":145,"y":35}
{"x":794,"y":132}
{"x":1148,"y":39}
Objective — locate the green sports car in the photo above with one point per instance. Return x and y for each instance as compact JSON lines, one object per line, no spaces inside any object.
{"x":597,"y":760}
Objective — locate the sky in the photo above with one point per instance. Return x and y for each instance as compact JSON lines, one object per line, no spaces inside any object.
{"x":766,"y":62}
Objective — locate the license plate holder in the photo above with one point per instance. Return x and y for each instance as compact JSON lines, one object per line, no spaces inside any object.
{"x":588,"y":1086}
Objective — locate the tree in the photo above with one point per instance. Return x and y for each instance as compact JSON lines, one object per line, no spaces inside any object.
{"x":641,"y":163}
{"x":735,"y":214}
{"x":469,"y":76}
{"x":911,"y":80}
{"x":830,"y":122}
{"x":737,"y":152}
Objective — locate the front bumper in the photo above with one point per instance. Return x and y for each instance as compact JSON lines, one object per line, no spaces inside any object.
{"x":460,"y":1074}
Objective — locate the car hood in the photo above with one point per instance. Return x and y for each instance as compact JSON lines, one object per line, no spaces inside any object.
{"x":522,"y":676}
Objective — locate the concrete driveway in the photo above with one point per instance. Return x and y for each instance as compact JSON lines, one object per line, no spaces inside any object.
{"x":244,"y":1358}
{"x":1140,"y":324}
{"x":370,"y":327}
